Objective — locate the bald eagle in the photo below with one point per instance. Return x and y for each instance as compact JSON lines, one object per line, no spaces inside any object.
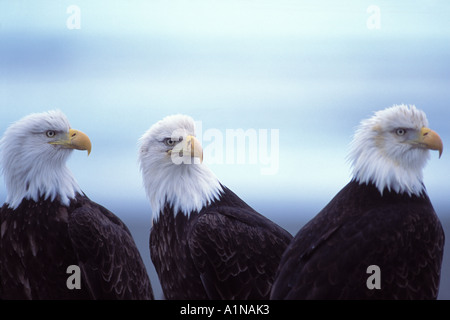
{"x":379,"y":237}
{"x":49,"y":227}
{"x":205,"y":242}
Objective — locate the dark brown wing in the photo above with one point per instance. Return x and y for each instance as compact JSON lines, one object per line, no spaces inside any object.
{"x":35,"y":252}
{"x":171,"y":257}
{"x":236,"y":252}
{"x":329,"y":257}
{"x":111,"y":265}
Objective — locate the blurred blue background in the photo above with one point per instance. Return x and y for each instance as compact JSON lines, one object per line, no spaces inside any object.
{"x":310,"y":69}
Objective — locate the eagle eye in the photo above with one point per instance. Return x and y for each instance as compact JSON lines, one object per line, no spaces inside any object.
{"x":170,"y":142}
{"x":400,"y":131}
{"x":50,"y":133}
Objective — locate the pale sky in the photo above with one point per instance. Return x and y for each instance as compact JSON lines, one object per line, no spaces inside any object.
{"x":308,"y":70}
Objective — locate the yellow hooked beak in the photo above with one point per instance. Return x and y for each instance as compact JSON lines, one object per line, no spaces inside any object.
{"x":192,"y":146}
{"x":430,"y":140}
{"x":189,"y":146}
{"x":74,"y":139}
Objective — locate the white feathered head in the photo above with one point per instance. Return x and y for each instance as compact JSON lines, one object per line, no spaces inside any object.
{"x":33,"y":155}
{"x":391,"y":149}
{"x":173,"y":173}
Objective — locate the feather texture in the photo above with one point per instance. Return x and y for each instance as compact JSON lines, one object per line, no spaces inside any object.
{"x":329,"y":257}
{"x":225,"y":251}
{"x":39,"y":240}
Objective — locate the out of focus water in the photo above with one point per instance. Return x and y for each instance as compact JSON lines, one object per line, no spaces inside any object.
{"x":312,"y":71}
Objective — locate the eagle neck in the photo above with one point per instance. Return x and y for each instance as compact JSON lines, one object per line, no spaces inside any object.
{"x":185,"y":188}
